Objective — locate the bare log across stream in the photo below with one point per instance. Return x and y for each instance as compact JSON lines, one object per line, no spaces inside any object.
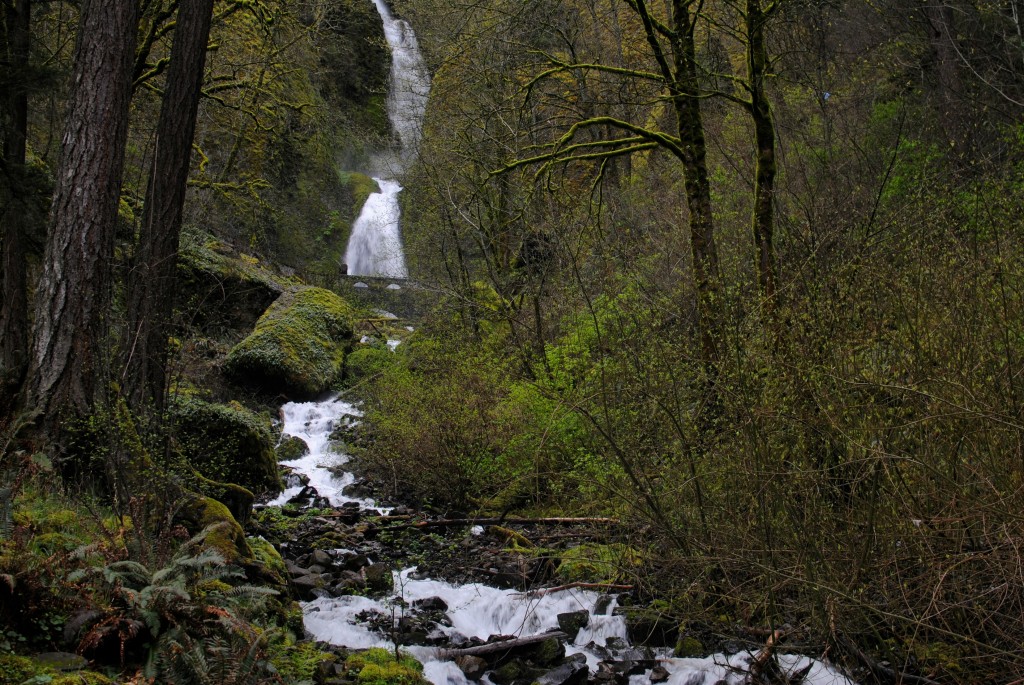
{"x":451,"y":523}
{"x":501,"y":646}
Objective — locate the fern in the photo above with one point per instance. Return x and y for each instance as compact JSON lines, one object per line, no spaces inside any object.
{"x":187,"y":608}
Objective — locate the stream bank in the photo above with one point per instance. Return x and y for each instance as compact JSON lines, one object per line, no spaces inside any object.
{"x":474,"y":602}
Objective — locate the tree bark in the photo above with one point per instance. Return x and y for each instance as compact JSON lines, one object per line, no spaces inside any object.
{"x":686,"y":98}
{"x":763,"y":215}
{"x":13,"y":292}
{"x":151,"y":280}
{"x":72,"y":302}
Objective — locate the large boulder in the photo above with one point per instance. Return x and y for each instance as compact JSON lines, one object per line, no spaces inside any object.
{"x":221,"y":290}
{"x":226,"y":443}
{"x":298,"y":346}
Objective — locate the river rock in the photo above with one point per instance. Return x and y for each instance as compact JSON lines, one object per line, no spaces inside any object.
{"x":322,"y":558}
{"x":62,"y":661}
{"x":570,"y":673}
{"x":659,"y":674}
{"x":294,"y":569}
{"x":548,"y":652}
{"x":572,"y":622}
{"x":430,"y":604}
{"x":472,"y":666}
{"x":378,"y":577}
{"x":305,"y":586}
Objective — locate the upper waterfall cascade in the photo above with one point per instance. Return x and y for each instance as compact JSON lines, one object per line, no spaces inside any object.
{"x":375,"y":246}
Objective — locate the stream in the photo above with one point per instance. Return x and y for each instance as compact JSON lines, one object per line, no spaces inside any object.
{"x":450,"y":616}
{"x":465,"y":614}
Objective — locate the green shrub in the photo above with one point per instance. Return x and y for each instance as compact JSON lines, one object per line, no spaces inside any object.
{"x":298,"y":346}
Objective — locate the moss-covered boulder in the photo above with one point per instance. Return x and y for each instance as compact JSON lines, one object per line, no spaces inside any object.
{"x":226,"y":443}
{"x":298,"y":347}
{"x":223,"y":533}
{"x":220,"y":289}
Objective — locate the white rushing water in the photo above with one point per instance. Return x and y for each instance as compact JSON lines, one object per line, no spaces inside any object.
{"x":375,"y":246}
{"x":476,"y":610}
{"x":314,"y":422}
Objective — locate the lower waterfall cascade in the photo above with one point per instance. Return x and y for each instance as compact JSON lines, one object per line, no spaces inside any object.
{"x":475,"y":610}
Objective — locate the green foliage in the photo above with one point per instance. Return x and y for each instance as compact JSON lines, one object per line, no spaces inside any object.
{"x":298,"y":346}
{"x":297,"y":662}
{"x":368,"y":360}
{"x":226,"y":442}
{"x":189,"y":611}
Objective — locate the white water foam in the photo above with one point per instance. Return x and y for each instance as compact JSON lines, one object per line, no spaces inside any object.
{"x":375,"y":246}
{"x":314,"y":422}
{"x":480,"y":611}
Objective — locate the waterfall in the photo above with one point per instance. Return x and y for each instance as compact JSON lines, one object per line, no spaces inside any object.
{"x":375,"y":246}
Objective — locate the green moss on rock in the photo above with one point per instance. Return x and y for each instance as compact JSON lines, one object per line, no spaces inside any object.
{"x":269,"y":558}
{"x":226,"y":443}
{"x":224,"y":534}
{"x":82,"y":678}
{"x":379,"y":667}
{"x":15,"y":670}
{"x":291,"y":448}
{"x":298,"y":347}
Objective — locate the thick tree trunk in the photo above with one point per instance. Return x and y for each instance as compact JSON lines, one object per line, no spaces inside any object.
{"x":763,"y":215}
{"x":13,"y":293}
{"x":686,"y":92}
{"x":151,"y":281}
{"x":72,"y":302}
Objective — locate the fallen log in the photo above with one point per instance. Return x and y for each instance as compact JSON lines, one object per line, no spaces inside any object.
{"x":578,"y":586}
{"x":498,"y":521}
{"x":760,"y":661}
{"x":501,"y":646}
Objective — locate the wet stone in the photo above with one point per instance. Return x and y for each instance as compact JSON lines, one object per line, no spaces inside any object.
{"x":659,"y":674}
{"x":430,"y":604}
{"x":472,"y":666}
{"x":572,"y":622}
{"x":569,"y":673}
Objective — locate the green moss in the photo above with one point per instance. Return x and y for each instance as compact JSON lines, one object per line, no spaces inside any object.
{"x":236,"y":498}
{"x":225,"y":535}
{"x":269,"y":558}
{"x":226,"y":443}
{"x":595,"y":563}
{"x":298,"y":346}
{"x":291,"y":448}
{"x":379,"y":667}
{"x":82,"y":678}
{"x":688,"y":646}
{"x":15,"y":670}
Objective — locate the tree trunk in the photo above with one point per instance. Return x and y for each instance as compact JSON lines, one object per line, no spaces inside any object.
{"x":13,"y":293}
{"x":151,"y":281}
{"x":72,"y":302}
{"x":686,"y":98}
{"x":763,"y":215}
